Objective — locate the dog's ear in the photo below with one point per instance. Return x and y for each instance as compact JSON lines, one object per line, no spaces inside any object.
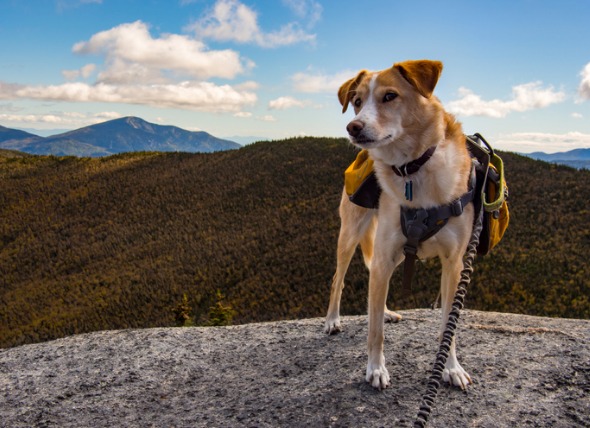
{"x":422,"y":74}
{"x":346,"y":91}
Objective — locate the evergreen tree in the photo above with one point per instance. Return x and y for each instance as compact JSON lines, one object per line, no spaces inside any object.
{"x":220,"y":313}
{"x":182,"y":313}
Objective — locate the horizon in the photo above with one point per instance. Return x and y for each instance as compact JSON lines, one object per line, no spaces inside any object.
{"x":253,"y":69}
{"x":248,"y":139}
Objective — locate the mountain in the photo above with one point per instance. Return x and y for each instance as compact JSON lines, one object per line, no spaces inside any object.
{"x":577,"y":158}
{"x":14,"y":134}
{"x":46,"y":132}
{"x":7,"y":153}
{"x":15,"y":139}
{"x":128,"y":134}
{"x":92,"y":244}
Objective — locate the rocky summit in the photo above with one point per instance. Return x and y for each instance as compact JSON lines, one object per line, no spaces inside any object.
{"x":527,"y":371}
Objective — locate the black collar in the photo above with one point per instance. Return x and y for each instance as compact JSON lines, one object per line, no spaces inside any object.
{"x":413,"y":166}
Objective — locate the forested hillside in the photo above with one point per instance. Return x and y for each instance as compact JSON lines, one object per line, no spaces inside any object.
{"x":88,"y":244}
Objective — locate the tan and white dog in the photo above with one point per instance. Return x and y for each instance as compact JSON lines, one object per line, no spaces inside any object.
{"x":398,"y":120}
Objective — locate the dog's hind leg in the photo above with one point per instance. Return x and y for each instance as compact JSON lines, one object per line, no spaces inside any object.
{"x":357,"y":225}
{"x":451,"y":272}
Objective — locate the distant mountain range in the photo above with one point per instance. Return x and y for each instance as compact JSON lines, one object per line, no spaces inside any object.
{"x":577,"y":158}
{"x":128,"y":134}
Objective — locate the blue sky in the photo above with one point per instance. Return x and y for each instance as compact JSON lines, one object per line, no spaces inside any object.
{"x":516,"y":71}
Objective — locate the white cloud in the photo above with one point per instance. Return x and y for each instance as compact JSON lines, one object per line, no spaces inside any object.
{"x":108,"y":115}
{"x":267,"y":118}
{"x":525,"y":97}
{"x":577,"y":116}
{"x":74,"y":115}
{"x":319,"y":82}
{"x":283,"y":103}
{"x":32,"y":118}
{"x":141,"y":69}
{"x":528,"y":142}
{"x":87,"y":70}
{"x":84,"y":72}
{"x":584,"y":88}
{"x":247,"y":86}
{"x":243,"y":114}
{"x":231,"y":20}
{"x":70,"y":74}
{"x":203,"y":96}
{"x":74,"y":119}
{"x":308,"y":10}
{"x":133,"y":55}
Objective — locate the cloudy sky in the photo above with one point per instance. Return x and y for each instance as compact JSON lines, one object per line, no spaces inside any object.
{"x":517,"y":71}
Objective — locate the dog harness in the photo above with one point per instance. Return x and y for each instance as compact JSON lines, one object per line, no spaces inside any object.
{"x":419,"y":224}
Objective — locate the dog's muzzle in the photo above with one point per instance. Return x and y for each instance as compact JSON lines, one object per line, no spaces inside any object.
{"x":355,"y":131}
{"x":355,"y":128}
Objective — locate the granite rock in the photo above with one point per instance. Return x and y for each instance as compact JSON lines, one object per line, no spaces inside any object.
{"x":527,"y":371}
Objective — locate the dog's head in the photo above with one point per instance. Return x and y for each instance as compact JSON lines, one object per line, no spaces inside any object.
{"x":391,"y":103}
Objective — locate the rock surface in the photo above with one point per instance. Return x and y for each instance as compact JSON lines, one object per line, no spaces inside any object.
{"x":527,"y":371}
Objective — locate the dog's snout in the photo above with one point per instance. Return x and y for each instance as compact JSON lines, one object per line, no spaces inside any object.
{"x":355,"y":128}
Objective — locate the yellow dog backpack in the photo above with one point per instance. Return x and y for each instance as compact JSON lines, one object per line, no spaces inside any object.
{"x":360,"y":182}
{"x":491,"y":191}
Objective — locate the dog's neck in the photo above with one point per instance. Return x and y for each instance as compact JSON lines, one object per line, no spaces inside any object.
{"x":432,"y":184}
{"x":413,"y":166}
{"x":407,"y":150}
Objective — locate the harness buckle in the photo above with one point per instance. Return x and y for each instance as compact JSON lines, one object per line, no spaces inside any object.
{"x":410,"y":249}
{"x":457,"y":207}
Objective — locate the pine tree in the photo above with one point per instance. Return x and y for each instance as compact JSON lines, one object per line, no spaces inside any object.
{"x":182,"y":313}
{"x":220,"y":314}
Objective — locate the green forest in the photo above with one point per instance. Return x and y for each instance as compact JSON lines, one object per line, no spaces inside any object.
{"x":249,"y":235}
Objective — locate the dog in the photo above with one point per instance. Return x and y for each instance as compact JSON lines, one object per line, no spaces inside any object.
{"x":399,"y":120}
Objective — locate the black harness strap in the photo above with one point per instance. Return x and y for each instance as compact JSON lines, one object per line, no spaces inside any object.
{"x":419,"y":224}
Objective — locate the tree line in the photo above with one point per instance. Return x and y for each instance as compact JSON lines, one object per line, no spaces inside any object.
{"x":106,"y":243}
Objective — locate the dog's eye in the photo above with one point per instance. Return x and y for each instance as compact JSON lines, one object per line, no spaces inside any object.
{"x":389,"y":96}
{"x":357,"y":102}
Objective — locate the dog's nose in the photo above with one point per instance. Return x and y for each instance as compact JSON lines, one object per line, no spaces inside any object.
{"x":355,"y":128}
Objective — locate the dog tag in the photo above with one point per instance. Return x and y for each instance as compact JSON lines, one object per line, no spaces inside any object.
{"x":409,"y":191}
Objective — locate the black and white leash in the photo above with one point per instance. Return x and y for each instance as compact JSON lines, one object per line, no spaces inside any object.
{"x":447,"y":338}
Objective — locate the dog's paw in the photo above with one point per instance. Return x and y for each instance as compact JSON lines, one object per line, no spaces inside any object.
{"x":332,"y":325}
{"x":456,"y":375}
{"x":377,"y":376}
{"x":391,"y":316}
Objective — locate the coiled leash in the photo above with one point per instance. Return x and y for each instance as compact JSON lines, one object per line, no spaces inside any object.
{"x":445,"y":344}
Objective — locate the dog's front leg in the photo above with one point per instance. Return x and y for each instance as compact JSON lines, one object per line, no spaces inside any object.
{"x":451,"y":273}
{"x":357,"y":225}
{"x":382,"y":267}
{"x":377,"y":374}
